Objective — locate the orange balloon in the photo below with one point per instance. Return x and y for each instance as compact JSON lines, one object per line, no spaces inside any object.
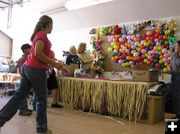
{"x":143,"y":56}
{"x":116,"y":57}
{"x":166,"y":42}
{"x":149,"y":41}
{"x":148,"y":62}
{"x":113,"y":58}
{"x":157,"y":30}
{"x":165,"y":37}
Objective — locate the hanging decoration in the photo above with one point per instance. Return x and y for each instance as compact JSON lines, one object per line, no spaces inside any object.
{"x":97,"y":54}
{"x":148,"y":42}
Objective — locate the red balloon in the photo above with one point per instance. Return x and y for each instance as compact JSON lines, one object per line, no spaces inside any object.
{"x":156,"y":35}
{"x":139,"y":58}
{"x":165,"y":37}
{"x":160,"y":36}
{"x":143,"y":35}
{"x":153,"y":56}
{"x":157,"y":65}
{"x":148,"y":62}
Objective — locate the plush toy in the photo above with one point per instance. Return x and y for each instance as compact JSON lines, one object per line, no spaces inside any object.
{"x":100,"y":54}
{"x":97,"y":70}
{"x":92,"y":31}
{"x":66,"y":53}
{"x":92,"y":40}
{"x":110,"y":30}
{"x":117,"y":30}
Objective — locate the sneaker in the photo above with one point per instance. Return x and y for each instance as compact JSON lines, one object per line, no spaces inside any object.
{"x":56,"y":105}
{"x":29,"y":110}
{"x":25,"y":113}
{"x":48,"y":131}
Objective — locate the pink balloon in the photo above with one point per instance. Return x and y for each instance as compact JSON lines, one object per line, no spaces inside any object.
{"x":149,"y":57}
{"x":129,"y":41}
{"x":156,"y":40}
{"x":165,"y":59}
{"x":124,"y":47}
{"x":120,"y":61}
{"x":158,"y":43}
{"x":115,"y":51}
{"x":108,"y":36}
{"x":109,"y":40}
{"x":133,"y":46}
{"x":148,"y":33}
{"x":127,"y":51}
{"x":164,"y":50}
{"x":115,"y":40}
{"x":165,"y":55}
{"x":121,"y":39}
{"x":152,"y":51}
{"x":143,"y":51}
{"x":133,"y":36}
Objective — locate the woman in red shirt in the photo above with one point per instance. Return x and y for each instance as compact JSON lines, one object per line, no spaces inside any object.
{"x":34,"y":76}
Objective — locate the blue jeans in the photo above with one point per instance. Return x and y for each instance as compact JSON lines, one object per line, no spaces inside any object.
{"x":24,"y":105}
{"x":175,"y":79}
{"x":37,"y":80}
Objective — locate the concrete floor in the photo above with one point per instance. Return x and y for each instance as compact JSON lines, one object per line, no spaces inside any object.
{"x":66,"y":121}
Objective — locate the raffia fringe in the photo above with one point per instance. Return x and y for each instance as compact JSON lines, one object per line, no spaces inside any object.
{"x":122,"y":99}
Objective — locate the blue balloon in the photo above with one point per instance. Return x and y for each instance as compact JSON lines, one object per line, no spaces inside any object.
{"x":139,"y":54}
{"x":119,"y":53}
{"x":147,"y":48}
{"x":124,"y":61}
{"x":134,"y":63}
{"x":116,"y":61}
{"x":137,"y":35}
{"x":153,"y":43}
{"x":153,"y":64}
{"x":124,"y":36}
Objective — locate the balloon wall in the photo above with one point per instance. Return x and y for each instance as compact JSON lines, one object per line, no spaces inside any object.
{"x":148,"y":42}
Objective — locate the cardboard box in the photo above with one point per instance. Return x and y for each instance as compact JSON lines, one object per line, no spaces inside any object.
{"x":145,"y":75}
{"x":156,"y":109}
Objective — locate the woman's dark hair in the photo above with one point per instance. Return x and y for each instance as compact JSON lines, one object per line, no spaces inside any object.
{"x":43,"y":22}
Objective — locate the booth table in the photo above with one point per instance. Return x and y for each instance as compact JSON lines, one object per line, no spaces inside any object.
{"x":126,"y":99}
{"x":8,"y":78}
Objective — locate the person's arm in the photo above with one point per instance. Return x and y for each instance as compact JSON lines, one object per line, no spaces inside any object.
{"x":39,"y":53}
{"x":89,"y":60}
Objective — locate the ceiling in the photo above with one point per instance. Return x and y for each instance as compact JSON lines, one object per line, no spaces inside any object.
{"x":7,"y":3}
{"x":114,"y":12}
{"x":30,"y":4}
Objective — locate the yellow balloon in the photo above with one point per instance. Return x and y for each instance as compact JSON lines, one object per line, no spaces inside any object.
{"x":159,"y":48}
{"x":160,"y":61}
{"x":110,"y":49}
{"x":165,"y":69}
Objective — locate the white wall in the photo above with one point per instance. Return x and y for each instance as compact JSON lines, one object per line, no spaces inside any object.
{"x":65,"y":31}
{"x":63,"y":40}
{"x":22,"y":26}
{"x":5,"y":45}
{"x":118,"y":11}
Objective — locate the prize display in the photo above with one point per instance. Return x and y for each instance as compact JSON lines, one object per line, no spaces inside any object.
{"x":148,"y":42}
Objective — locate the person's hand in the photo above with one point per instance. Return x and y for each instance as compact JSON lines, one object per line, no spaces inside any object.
{"x":56,"y":65}
{"x":65,"y":70}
